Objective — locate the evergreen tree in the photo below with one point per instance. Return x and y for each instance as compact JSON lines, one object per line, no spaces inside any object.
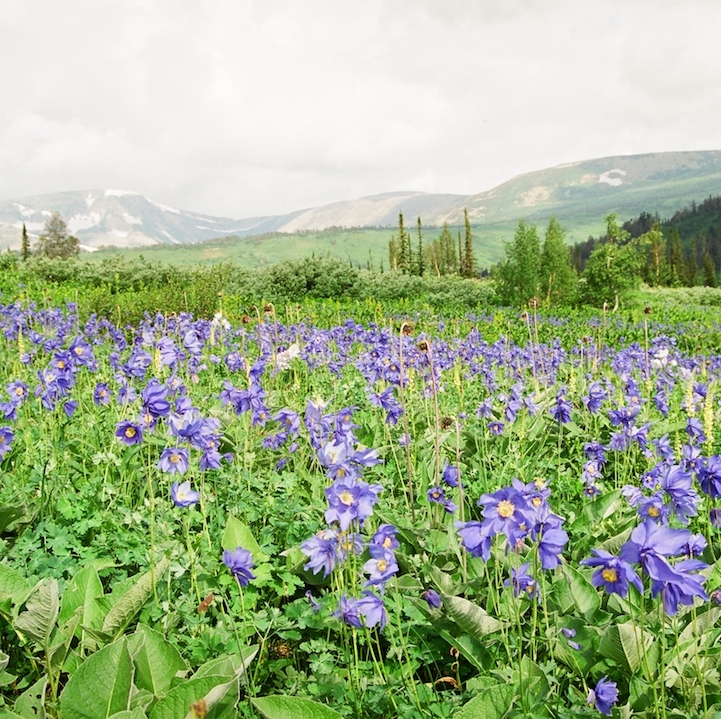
{"x":393,"y":253}
{"x":55,"y":241}
{"x":459,"y":266}
{"x":470,"y":268}
{"x":675,"y":259}
{"x":405,"y":259}
{"x":657,"y":268}
{"x":420,"y":266}
{"x":558,"y":279}
{"x":25,"y":245}
{"x":518,"y":277}
{"x":447,"y":251}
{"x":709,"y":270}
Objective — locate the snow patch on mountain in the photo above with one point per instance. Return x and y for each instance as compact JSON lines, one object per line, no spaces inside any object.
{"x":612,"y":177}
{"x":165,"y":207}
{"x":130,"y":219}
{"x":119,"y":193}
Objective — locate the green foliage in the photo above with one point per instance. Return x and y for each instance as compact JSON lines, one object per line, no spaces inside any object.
{"x":55,"y":241}
{"x":519,"y":275}
{"x":557,"y":277}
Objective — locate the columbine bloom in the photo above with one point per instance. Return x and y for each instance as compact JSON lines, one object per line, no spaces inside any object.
{"x":321,"y":549}
{"x":372,"y":608}
{"x":604,"y":696}
{"x":240,"y":562}
{"x":506,"y":511}
{"x":380,"y":568}
{"x":432,"y":598}
{"x":129,"y":433}
{"x":101,"y":395}
{"x":348,"y":612}
{"x":350,"y":500}
{"x":183,"y":496}
{"x":6,"y":438}
{"x":384,"y":538}
{"x":174,"y":460}
{"x":522,"y":581}
{"x":613,"y":573}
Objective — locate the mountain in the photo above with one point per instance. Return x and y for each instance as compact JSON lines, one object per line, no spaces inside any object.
{"x":120,"y":218}
{"x":579,"y":193}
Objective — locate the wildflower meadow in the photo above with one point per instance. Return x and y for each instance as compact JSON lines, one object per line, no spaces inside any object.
{"x":342,"y":513}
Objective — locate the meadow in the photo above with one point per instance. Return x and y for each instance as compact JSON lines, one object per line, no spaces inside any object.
{"x":359,"y":509}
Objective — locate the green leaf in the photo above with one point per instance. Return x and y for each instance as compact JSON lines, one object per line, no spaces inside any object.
{"x":132,"y":601}
{"x":31,"y":703}
{"x":41,"y":610}
{"x":626,"y":644}
{"x":82,"y":591}
{"x":136,"y":713}
{"x":177,"y":702}
{"x":156,"y":660}
{"x":492,"y":703}
{"x":228,"y":664}
{"x":8,"y":515}
{"x":585,"y":596}
{"x":468,"y":646}
{"x":469,"y":617}
{"x":101,"y":686}
{"x":13,"y":586}
{"x":238,"y":535}
{"x":443,"y":581}
{"x":279,"y":706}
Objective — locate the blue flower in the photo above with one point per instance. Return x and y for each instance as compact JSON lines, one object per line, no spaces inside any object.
{"x":240,"y":562}
{"x":613,"y":573}
{"x":604,"y":696}
{"x":183,"y":496}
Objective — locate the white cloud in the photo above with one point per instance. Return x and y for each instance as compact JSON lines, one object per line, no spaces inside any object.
{"x":248,"y":108}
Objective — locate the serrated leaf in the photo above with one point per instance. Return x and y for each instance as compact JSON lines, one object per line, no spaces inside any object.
{"x":237,"y":535}
{"x":279,"y":706}
{"x":13,"y":586}
{"x":41,"y":610}
{"x":156,"y":660}
{"x":492,"y":703}
{"x":132,"y":601}
{"x":469,"y":617}
{"x":101,"y":686}
{"x":585,"y":596}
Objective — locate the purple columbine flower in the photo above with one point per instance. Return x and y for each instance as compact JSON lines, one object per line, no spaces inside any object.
{"x":522,"y":581}
{"x":240,"y":562}
{"x":321,"y":549}
{"x":350,"y":500}
{"x":372,"y":608}
{"x":69,"y":408}
{"x":380,"y":568}
{"x":183,"y":496}
{"x":348,"y":612}
{"x":102,"y":394}
{"x":129,"y":432}
{"x":678,"y":586}
{"x":384,"y":538}
{"x":604,"y":696}
{"x":433,"y":599}
{"x":450,"y":475}
{"x":315,"y":606}
{"x":613,"y":573}
{"x":174,"y":460}
{"x":6,"y":439}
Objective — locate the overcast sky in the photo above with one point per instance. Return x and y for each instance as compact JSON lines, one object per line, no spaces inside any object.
{"x":242,"y":108}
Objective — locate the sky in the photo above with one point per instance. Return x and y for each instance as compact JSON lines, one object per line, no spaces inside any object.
{"x":244,"y":108}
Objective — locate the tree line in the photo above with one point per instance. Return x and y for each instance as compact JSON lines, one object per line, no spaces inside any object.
{"x":444,"y":255}
{"x":54,"y":242}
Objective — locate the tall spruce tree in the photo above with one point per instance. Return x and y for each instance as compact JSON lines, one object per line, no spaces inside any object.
{"x":405,"y":256}
{"x":470,"y":268}
{"x":25,"y":244}
{"x":420,"y":263}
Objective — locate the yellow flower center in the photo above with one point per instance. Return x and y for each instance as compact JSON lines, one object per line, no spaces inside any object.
{"x":609,"y":575}
{"x":346,"y":498}
{"x":61,"y":364}
{"x":382,"y":565}
{"x":341,"y":473}
{"x":175,"y":458}
{"x":78,"y":351}
{"x":654,"y":512}
{"x":387,"y":542}
{"x":536,"y":501}
{"x":130,"y":432}
{"x":19,"y":392}
{"x":506,"y":508}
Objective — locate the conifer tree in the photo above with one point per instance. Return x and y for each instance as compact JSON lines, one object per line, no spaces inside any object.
{"x":405,"y":258}
{"x":675,"y":258}
{"x":469,"y":259}
{"x":420,"y":263}
{"x":25,"y":245}
{"x":393,"y":253}
{"x":459,"y":266}
{"x":447,"y":250}
{"x":709,"y":270}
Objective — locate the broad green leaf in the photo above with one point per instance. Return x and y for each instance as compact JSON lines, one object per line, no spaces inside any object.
{"x":469,"y":617}
{"x":625,"y":644}
{"x":31,"y":703}
{"x":178,"y":701}
{"x":238,"y":535}
{"x":132,"y":601}
{"x":13,"y":585}
{"x":534,"y":680}
{"x":603,"y":507}
{"x":695,"y":630}
{"x":82,"y":591}
{"x":443,"y":581}
{"x":278,"y":706}
{"x":228,"y":664}
{"x":63,"y":639}
{"x":136,"y":713}
{"x":468,"y":646}
{"x":41,"y":610}
{"x":492,"y":703}
{"x":4,"y":661}
{"x":156,"y":660}
{"x":585,"y":596}
{"x":101,"y":686}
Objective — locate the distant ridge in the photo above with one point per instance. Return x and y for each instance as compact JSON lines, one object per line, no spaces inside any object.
{"x":578,"y":192}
